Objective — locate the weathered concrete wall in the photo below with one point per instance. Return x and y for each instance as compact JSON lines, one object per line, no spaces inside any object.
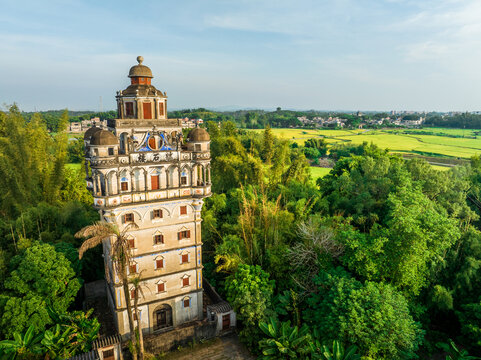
{"x":167,"y":341}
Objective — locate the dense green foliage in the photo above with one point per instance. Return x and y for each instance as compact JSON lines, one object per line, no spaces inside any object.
{"x":383,"y":253}
{"x":44,"y":203}
{"x":71,"y":335}
{"x":40,"y":276}
{"x":380,"y":259}
{"x":460,"y":121}
{"x":372,"y":315}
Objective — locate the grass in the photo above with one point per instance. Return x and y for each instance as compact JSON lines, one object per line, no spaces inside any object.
{"x":301,"y":135}
{"x":437,"y":145}
{"x":415,"y":141}
{"x":444,"y":131}
{"x":73,"y":166}
{"x":440,"y":168}
{"x":317,"y":172}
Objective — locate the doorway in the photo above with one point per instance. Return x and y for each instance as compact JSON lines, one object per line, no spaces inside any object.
{"x":162,"y":317}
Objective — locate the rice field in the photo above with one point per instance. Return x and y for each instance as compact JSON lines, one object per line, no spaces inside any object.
{"x":415,"y":141}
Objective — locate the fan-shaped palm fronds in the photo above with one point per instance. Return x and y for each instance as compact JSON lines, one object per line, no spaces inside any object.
{"x":120,"y":255}
{"x":99,"y":231}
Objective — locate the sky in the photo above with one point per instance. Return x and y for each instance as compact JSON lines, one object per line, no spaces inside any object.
{"x":378,"y":55}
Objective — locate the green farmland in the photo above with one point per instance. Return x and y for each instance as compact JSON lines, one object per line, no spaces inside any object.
{"x":437,"y":142}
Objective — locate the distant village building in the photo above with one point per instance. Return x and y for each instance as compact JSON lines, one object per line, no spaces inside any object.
{"x":140,"y":170}
{"x":413,"y":123}
{"x":191,"y":123}
{"x":75,"y":127}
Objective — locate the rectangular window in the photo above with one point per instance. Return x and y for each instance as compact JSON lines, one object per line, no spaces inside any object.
{"x":157,"y":214}
{"x":129,"y":109}
{"x":147,"y":107}
{"x":183,"y":234}
{"x":133,"y":268}
{"x":129,"y":217}
{"x":124,"y":186}
{"x":131,"y":243}
{"x":159,"y":263}
{"x":158,"y":239}
{"x":197,"y":147}
{"x":108,"y":354}
{"x":185,"y":258}
{"x":183,"y":180}
{"x":111,"y":151}
{"x":161,"y":109}
{"x":160,"y":287}
{"x":187,"y":302}
{"x":154,"y":181}
{"x":186,"y":281}
{"x":183,"y":210}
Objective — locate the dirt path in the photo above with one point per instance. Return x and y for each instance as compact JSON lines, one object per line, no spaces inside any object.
{"x":224,"y":348}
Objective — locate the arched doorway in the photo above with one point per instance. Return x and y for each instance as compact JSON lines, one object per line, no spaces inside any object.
{"x":162,"y":317}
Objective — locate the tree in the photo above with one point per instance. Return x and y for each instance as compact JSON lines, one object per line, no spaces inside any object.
{"x":136,"y":281}
{"x":268,"y":145}
{"x":283,"y":341}
{"x":71,"y":335}
{"x":408,"y":250}
{"x":121,"y":255}
{"x":73,"y":188}
{"x":249,"y":291}
{"x":470,"y":319}
{"x":338,"y":352}
{"x":23,"y":346}
{"x":374,"y":316}
{"x":454,"y":353}
{"x":31,"y":162}
{"x":40,"y":276}
{"x":318,"y":144}
{"x":262,"y":224}
{"x":76,"y":151}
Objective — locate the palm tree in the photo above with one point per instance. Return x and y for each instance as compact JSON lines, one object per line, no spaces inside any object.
{"x":121,"y":257}
{"x":136,"y":282}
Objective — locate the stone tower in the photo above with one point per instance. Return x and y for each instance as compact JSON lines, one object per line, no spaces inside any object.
{"x":142,"y":171}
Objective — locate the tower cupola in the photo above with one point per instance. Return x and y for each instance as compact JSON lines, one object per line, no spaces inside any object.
{"x":140,"y":74}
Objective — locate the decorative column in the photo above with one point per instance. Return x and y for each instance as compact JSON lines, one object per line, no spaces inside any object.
{"x":145,"y":180}
{"x":132,"y":181}
{"x":208,"y":173}
{"x":121,"y":108}
{"x":118,"y":182}
{"x":203,"y":176}
{"x":99,"y":186}
{"x":94,"y":184}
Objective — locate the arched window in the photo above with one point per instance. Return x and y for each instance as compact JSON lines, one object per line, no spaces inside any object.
{"x":162,"y":317}
{"x":124,"y":184}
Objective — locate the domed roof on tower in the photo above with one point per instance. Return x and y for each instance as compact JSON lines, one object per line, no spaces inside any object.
{"x":103,"y":137}
{"x":140,"y":70}
{"x":198,"y":134}
{"x":88,"y":134}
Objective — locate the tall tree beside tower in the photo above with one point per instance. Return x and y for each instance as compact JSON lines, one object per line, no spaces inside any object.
{"x":268,"y":144}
